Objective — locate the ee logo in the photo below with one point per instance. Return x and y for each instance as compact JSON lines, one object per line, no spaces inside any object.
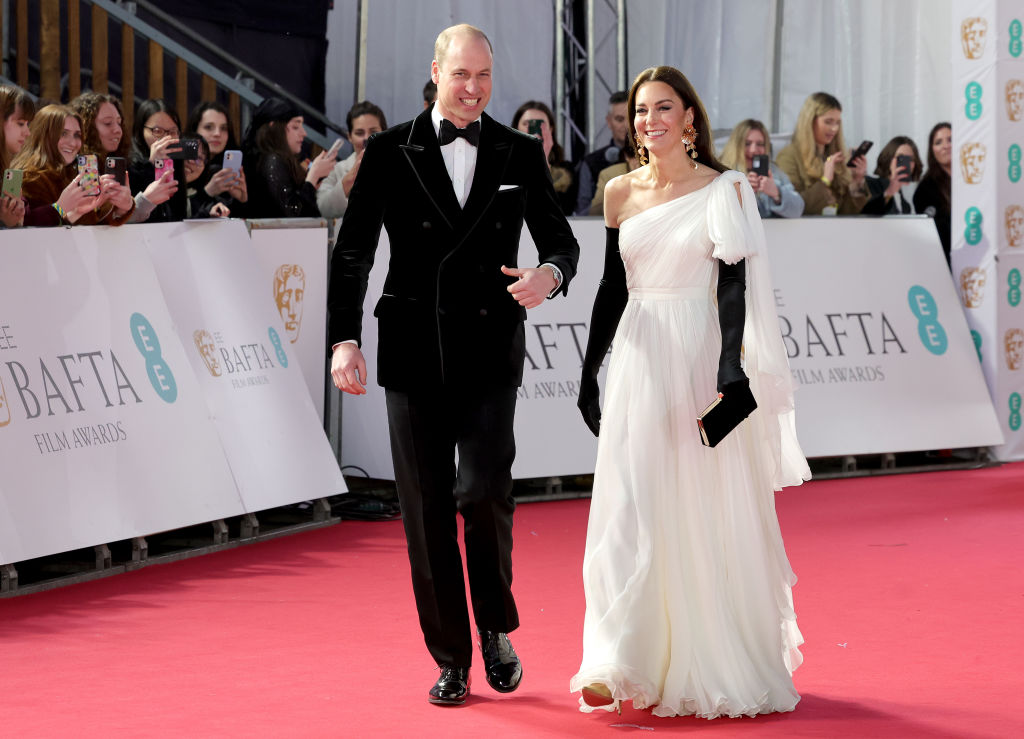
{"x":973,"y":219}
{"x":1013,"y":280}
{"x":973,"y":107}
{"x":976,"y":338}
{"x":1015,"y":34}
{"x":1013,"y":171}
{"x":275,"y":339}
{"x":146,"y":341}
{"x":922,"y":305}
{"x":1014,"y":421}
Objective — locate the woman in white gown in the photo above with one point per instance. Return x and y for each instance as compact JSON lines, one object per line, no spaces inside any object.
{"x":688,"y":587}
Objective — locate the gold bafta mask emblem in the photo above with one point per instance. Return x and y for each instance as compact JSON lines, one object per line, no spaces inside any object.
{"x":1015,"y":100}
{"x":972,"y":285}
{"x":972,"y":162}
{"x":5,"y":408}
{"x":204,"y":343}
{"x":1014,"y":342}
{"x":289,"y":294}
{"x":972,"y":35}
{"x":1015,"y":225}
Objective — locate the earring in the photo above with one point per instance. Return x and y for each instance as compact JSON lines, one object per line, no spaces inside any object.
{"x":640,"y":153}
{"x":689,"y":137}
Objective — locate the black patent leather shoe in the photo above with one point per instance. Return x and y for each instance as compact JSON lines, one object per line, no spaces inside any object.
{"x":452,"y":688}
{"x":502,"y":665}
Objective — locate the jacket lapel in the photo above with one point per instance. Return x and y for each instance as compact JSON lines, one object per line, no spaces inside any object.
{"x":491,"y":161}
{"x":424,"y":156}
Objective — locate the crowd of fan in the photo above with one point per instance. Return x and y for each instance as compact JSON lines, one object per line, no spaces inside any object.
{"x":815,"y":174}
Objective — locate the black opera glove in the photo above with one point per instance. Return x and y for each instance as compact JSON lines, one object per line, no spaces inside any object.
{"x":732,"y":285}
{"x":612,"y":295}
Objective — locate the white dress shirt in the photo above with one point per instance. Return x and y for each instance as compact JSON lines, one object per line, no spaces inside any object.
{"x":459,"y":159}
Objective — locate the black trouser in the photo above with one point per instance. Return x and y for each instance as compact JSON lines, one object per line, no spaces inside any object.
{"x":426,"y":429}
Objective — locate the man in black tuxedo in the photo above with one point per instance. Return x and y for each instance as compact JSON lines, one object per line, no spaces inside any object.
{"x":452,"y":187}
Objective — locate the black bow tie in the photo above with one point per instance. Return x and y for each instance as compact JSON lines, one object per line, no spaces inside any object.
{"x":449,"y":132}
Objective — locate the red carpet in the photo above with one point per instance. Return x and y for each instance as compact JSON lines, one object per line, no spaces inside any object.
{"x":911,"y":598}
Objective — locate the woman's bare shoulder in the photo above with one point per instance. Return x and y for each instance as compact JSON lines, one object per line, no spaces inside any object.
{"x":616,"y":195}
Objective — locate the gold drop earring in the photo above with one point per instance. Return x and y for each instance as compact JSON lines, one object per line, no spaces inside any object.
{"x":640,"y":154}
{"x":689,"y":137}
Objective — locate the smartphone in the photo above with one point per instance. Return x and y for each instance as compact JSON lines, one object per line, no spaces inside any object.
{"x":233,"y":160}
{"x":90,"y":171}
{"x":161,"y":166}
{"x":535,"y":127}
{"x":906,"y":163}
{"x":188,"y":149}
{"x":335,"y":147}
{"x":759,"y":164}
{"x":864,"y":148}
{"x":117,"y":167}
{"x":12,"y":183}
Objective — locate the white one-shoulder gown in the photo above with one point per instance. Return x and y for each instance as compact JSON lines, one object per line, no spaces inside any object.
{"x":688,"y":587}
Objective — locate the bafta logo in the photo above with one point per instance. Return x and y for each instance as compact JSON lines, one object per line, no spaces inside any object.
{"x":1014,"y":343}
{"x":972,"y":286}
{"x":204,"y":343}
{"x":1015,"y":225}
{"x":5,"y":408}
{"x":1015,"y":100}
{"x":972,"y":35}
{"x":289,"y":294}
{"x":972,"y":162}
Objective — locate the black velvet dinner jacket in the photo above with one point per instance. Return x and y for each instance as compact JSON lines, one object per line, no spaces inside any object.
{"x":445,"y":315}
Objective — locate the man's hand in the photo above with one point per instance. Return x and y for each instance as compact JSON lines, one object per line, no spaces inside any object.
{"x":532,"y":287}
{"x":348,"y":369}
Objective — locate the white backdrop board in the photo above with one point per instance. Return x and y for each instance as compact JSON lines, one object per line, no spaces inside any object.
{"x":868,"y":399}
{"x":293,"y":262}
{"x":248,"y":371}
{"x":104,"y":431}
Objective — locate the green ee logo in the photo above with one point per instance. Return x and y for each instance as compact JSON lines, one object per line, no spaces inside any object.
{"x":922,"y":305}
{"x":1013,"y":171}
{"x":275,"y":340}
{"x":1014,"y":420}
{"x":976,"y":338}
{"x":1015,"y":34}
{"x":1013,"y":280}
{"x":146,"y":341}
{"x":973,"y":219}
{"x":973,"y":107}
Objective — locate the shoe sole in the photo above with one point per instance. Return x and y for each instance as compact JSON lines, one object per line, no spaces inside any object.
{"x":446,"y":702}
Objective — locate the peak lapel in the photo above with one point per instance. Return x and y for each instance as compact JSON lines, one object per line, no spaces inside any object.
{"x":424,"y":156}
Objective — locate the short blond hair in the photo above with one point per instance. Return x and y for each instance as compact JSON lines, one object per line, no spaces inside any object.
{"x":445,"y":38}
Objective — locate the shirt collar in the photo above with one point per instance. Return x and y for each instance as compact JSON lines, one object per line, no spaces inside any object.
{"x":435,"y":117}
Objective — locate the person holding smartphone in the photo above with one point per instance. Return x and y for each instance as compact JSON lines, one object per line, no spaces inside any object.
{"x":899,"y":165}
{"x":51,"y":183}
{"x":210,"y":121}
{"x":830,"y":180}
{"x":363,"y":120}
{"x":535,"y":118}
{"x":749,"y":150}
{"x":16,"y":111}
{"x":157,"y":140}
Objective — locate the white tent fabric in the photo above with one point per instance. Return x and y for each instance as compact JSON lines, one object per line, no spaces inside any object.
{"x":887,"y":62}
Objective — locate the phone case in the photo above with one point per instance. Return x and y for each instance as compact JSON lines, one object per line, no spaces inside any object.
{"x":90,"y":171}
{"x":160,"y":166}
{"x":233,"y":159}
{"x":12,"y":183}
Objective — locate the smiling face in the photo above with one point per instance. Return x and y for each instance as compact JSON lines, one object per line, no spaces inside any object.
{"x":463,"y":79}
{"x":157,"y":126}
{"x":70,"y":142}
{"x":15,"y":132}
{"x":362,"y":127}
{"x":108,"y":126}
{"x":826,"y":126}
{"x":213,"y":126}
{"x":660,"y":117}
{"x":295,"y":133}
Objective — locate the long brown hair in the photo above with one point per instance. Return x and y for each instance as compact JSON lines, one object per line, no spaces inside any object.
{"x":936,"y":172}
{"x":557,"y":155}
{"x":40,"y":152}
{"x":678,"y":82}
{"x":816,"y":105}
{"x":12,"y":100}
